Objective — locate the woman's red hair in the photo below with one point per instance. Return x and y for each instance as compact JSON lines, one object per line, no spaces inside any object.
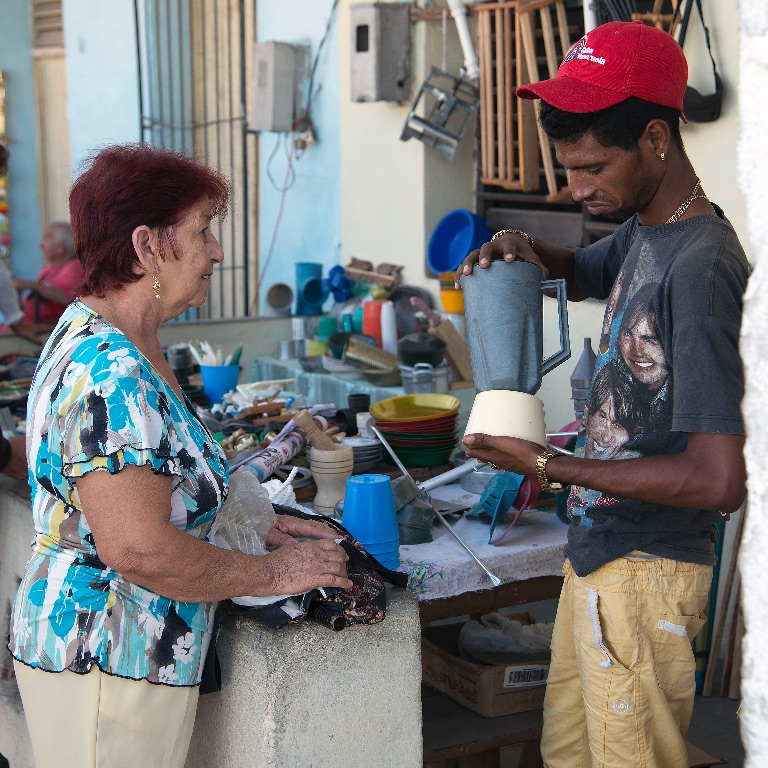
{"x":124,"y":187}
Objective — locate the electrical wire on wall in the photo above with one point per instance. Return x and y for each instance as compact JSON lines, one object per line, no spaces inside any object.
{"x":303,"y":127}
{"x":295,"y":143}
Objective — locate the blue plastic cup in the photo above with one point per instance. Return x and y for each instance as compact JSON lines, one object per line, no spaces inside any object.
{"x":391,"y":563}
{"x":384,"y":548}
{"x":369,"y":510}
{"x":388,"y":559}
{"x":218,"y":380}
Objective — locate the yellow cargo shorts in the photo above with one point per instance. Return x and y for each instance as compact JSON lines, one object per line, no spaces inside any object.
{"x":621,"y":684}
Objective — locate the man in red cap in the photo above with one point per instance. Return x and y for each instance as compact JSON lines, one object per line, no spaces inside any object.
{"x":643,"y":515}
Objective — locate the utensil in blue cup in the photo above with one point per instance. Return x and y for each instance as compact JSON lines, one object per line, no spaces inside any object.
{"x":369,"y":514}
{"x":218,"y":380}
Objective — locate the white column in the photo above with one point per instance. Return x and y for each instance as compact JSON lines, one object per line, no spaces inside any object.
{"x":753,"y":170}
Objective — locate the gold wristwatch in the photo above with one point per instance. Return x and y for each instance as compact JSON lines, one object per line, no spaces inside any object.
{"x":520,"y":232}
{"x":541,"y":473}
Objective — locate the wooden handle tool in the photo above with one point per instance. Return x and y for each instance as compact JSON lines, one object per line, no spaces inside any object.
{"x":317,"y":438}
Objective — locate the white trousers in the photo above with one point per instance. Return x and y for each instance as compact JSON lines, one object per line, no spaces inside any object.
{"x":102,"y":721}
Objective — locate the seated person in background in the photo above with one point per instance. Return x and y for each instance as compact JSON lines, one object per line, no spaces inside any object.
{"x":9,"y":301}
{"x":12,"y":314}
{"x":44,"y":299}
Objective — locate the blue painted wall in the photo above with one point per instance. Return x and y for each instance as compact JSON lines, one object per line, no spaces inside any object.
{"x":16,"y":64}
{"x":309,"y":227}
{"x":102,"y":75}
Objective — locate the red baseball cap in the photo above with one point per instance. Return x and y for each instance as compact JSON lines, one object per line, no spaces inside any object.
{"x":613,"y":62}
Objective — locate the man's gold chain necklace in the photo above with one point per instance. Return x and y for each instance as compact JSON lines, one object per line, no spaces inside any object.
{"x":697,"y":192}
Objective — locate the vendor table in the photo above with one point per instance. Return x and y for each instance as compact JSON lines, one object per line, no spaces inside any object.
{"x":530,"y":553}
{"x":528,"y":558}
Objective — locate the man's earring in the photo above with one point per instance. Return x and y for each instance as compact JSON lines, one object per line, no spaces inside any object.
{"x":662,"y":155}
{"x":156,"y":285}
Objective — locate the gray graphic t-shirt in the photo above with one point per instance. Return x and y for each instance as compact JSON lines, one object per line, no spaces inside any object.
{"x":667,"y":365}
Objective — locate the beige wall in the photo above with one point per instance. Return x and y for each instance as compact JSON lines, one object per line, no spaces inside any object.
{"x":394,"y":192}
{"x":712,"y":146}
{"x":259,"y":337}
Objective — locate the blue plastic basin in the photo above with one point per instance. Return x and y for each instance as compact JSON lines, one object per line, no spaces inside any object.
{"x":455,"y":235}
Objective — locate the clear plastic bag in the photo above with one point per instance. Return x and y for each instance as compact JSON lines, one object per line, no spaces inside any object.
{"x":246,"y":517}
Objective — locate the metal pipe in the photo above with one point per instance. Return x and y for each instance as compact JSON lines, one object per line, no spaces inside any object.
{"x":459,"y":13}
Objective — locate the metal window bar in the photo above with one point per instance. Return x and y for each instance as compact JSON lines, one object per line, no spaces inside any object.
{"x":194,"y":66}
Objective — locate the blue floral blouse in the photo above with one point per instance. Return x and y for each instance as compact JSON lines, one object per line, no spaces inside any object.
{"x":97,"y":404}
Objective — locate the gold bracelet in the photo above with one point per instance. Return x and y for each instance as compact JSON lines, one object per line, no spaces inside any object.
{"x":520,"y":232}
{"x":541,"y":473}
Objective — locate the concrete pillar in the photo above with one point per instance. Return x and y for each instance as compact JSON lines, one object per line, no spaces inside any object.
{"x":307,"y":696}
{"x":753,"y":560}
{"x":300,"y":696}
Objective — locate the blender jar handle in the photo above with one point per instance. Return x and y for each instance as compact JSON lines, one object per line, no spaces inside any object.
{"x":562,"y":311}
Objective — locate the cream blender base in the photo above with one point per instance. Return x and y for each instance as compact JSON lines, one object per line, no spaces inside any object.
{"x":503,"y":306}
{"x":505,"y":413}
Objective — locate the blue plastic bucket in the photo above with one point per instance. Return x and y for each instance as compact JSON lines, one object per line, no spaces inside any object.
{"x":455,"y":235}
{"x":218,"y":380}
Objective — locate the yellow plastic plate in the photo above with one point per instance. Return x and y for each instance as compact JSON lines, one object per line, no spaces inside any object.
{"x":421,"y":407}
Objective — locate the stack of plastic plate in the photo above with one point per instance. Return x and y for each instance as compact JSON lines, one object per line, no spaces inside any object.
{"x":421,"y":429}
{"x":339,"y":368}
{"x":366,"y":452}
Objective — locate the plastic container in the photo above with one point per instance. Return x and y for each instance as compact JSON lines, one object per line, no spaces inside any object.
{"x":357,"y":320}
{"x":372,"y":319}
{"x":369,"y":509}
{"x":310,"y":291}
{"x":218,"y":380}
{"x":388,"y":324}
{"x":421,"y":347}
{"x":279,"y":299}
{"x":359,"y":401}
{"x":423,"y":377}
{"x":325,"y":327}
{"x":389,"y":562}
{"x":455,"y":235}
{"x":384,"y":547}
{"x":451,"y":299}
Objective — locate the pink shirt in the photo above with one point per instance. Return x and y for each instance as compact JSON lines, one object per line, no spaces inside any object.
{"x":65,"y":277}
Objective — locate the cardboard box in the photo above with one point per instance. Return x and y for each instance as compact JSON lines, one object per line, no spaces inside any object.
{"x":488,"y":690}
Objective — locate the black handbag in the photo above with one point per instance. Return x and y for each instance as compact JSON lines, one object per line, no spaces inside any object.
{"x":364,"y":603}
{"x":699,"y":108}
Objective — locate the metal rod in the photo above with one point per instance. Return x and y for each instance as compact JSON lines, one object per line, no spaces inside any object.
{"x":495,"y":580}
{"x":395,"y":457}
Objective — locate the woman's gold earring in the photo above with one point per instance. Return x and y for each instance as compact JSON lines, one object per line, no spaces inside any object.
{"x":662,"y":155}
{"x":156,"y":285}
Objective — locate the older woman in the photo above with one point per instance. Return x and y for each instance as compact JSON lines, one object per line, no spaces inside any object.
{"x":118,"y":594}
